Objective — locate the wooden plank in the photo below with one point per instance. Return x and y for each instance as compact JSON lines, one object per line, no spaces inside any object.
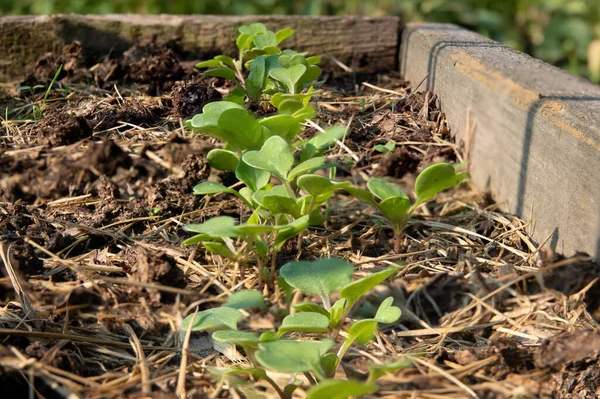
{"x":360,"y":42}
{"x":537,"y":142}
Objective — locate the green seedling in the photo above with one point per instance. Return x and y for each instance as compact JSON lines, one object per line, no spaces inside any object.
{"x":287,"y":350}
{"x":394,"y":204}
{"x":280,"y":211}
{"x":269,"y":68}
{"x":390,"y":146}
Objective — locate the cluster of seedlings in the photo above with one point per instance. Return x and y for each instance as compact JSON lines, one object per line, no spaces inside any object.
{"x":287,"y":182}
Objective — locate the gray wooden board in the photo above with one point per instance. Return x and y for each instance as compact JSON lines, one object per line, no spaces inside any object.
{"x":369,"y":43}
{"x":537,"y":141}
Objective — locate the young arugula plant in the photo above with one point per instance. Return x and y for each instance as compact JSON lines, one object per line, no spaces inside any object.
{"x":277,"y":351}
{"x":281,"y":211}
{"x":270,"y":68}
{"x":394,"y":204}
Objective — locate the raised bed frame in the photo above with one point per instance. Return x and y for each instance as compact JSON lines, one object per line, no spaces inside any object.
{"x":536,"y":140}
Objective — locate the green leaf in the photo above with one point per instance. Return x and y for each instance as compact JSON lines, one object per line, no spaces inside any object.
{"x":312,"y":73}
{"x":321,"y":276}
{"x":242,"y":129}
{"x":283,"y":126}
{"x":213,"y":319}
{"x":288,"y":77}
{"x":306,"y":166}
{"x":322,"y":141}
{"x":220,"y":249}
{"x":388,"y":147}
{"x":340,"y":389}
{"x":291,"y":387}
{"x":377,"y":370}
{"x":252,"y":29}
{"x":226,"y":60}
{"x":329,"y":363}
{"x":292,"y":356}
{"x":222,"y":159}
{"x":275,"y":156}
{"x":211,"y":187}
{"x":236,"y":96}
{"x":211,"y":112}
{"x":252,"y":177}
{"x":362,"y":195}
{"x":246,"y":299}
{"x":311,"y":307}
{"x":317,"y":185}
{"x":291,"y":230}
{"x":435,"y":179}
{"x":383,"y":189}
{"x":363,"y":331}
{"x":220,"y":226}
{"x":244,"y":41}
{"x":209,"y":64}
{"x":283,"y":34}
{"x":387,"y":313}
{"x":304,"y":114}
{"x":278,"y":205}
{"x":256,"y":79}
{"x":310,"y":322}
{"x":356,"y":289}
{"x":224,"y":73}
{"x":394,"y":209}
{"x":290,"y":106}
{"x":234,"y":337}
{"x":336,"y":311}
{"x":198,"y":238}
{"x":314,"y":60}
{"x":265,"y":39}
{"x":257,"y":229}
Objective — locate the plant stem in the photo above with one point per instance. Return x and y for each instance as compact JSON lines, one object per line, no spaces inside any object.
{"x":344,"y":348}
{"x":289,"y":190}
{"x":281,"y":394}
{"x":310,"y":378}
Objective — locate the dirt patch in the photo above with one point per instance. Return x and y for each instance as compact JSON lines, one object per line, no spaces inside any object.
{"x":574,"y":358}
{"x":47,"y":66}
{"x":152,"y":68}
{"x":189,"y":98}
{"x":60,"y":128}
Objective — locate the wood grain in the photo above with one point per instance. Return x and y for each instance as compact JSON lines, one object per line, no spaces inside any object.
{"x":359,"y":42}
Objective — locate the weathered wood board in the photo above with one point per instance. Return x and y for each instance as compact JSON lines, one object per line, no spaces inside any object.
{"x":360,"y":42}
{"x":537,"y":141}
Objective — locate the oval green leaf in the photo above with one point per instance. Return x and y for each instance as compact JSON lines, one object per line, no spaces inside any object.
{"x":246,"y":299}
{"x":213,"y":320}
{"x":292,"y":356}
{"x":340,"y":389}
{"x":356,"y":289}
{"x":383,"y":189}
{"x":309,"y":322}
{"x":435,"y":179}
{"x":320,"y":277}
{"x":234,"y":337}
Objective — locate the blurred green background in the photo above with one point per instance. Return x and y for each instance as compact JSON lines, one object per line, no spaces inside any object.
{"x":565,"y":33}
